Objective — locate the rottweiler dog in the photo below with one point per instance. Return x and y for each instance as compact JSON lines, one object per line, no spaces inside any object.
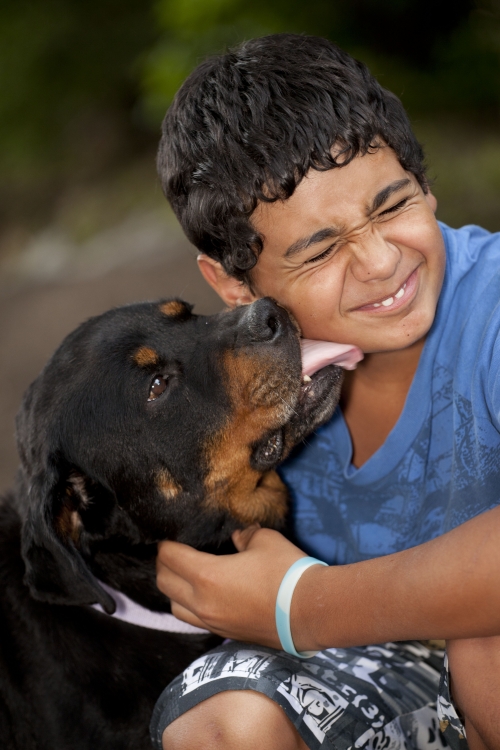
{"x":148,"y":423}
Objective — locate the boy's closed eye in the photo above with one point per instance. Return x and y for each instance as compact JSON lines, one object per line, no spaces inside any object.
{"x":329,"y":250}
{"x":401,"y":204}
{"x":324,"y":254}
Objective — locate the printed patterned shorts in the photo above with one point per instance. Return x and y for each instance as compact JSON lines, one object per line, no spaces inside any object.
{"x":393,"y":696}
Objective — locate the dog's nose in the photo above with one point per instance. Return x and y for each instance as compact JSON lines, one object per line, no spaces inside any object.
{"x":265,"y":320}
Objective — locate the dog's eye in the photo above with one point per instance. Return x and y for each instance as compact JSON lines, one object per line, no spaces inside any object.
{"x":158,"y":386}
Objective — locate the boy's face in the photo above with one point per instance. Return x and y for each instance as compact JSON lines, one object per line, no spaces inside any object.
{"x":355,"y":254}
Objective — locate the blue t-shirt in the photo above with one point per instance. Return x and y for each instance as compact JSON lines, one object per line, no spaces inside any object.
{"x":440,"y":465}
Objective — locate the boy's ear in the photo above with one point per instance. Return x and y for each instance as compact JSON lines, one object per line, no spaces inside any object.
{"x":431,"y":200}
{"x":229,"y":289}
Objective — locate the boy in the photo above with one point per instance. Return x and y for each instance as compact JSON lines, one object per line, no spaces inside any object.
{"x":298,"y":177}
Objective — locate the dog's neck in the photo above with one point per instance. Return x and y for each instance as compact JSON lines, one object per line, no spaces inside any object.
{"x":129,"y":569}
{"x":129,"y":611}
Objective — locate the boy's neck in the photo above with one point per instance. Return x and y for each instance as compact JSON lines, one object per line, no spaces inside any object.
{"x":388,"y":370}
{"x":373,"y":397}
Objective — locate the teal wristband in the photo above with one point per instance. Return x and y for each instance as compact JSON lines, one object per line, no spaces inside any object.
{"x":284,"y":601}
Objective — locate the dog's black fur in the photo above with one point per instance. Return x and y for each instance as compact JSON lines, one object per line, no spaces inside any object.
{"x":148,"y":423}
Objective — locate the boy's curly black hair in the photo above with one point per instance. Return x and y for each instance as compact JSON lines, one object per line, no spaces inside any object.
{"x":247,"y":126}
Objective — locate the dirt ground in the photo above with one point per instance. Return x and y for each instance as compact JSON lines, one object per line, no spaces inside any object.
{"x":35,"y":317}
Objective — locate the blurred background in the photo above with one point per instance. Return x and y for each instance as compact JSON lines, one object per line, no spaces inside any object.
{"x":84,"y":85}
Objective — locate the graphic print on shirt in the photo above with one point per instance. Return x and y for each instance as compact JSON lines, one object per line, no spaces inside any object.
{"x":447,"y":477}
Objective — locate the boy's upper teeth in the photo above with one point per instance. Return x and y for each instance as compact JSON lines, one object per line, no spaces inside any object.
{"x":387,"y":302}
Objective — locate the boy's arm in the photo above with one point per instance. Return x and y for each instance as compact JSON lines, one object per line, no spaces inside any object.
{"x":447,"y":588}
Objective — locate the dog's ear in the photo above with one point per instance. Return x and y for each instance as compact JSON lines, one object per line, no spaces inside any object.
{"x":55,"y":570}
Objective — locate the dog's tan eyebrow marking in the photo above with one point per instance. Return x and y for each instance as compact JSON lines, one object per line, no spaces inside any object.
{"x":231,"y":483}
{"x":167,"y":485}
{"x":175,"y":308}
{"x":145,"y":357}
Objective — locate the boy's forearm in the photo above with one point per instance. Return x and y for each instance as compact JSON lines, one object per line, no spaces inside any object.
{"x":447,"y":588}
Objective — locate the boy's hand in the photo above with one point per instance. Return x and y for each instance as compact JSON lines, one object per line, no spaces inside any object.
{"x":231,"y":595}
{"x":447,"y":588}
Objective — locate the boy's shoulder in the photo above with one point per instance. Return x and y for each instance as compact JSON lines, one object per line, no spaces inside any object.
{"x":467,"y":325}
{"x":469,"y":244}
{"x":471,"y":286}
{"x":472,"y":265}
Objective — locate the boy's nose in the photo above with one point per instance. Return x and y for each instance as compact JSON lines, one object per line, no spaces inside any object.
{"x":374,"y":257}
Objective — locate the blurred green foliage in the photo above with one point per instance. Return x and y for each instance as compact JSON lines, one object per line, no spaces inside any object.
{"x":68,"y":67}
{"x":65,"y":65}
{"x":84,"y":84}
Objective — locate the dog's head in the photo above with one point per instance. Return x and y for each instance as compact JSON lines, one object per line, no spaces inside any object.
{"x":150,"y":422}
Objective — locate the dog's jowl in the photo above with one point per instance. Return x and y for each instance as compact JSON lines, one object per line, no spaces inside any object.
{"x":148,"y":423}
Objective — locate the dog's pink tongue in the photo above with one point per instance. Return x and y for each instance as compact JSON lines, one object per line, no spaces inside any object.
{"x":319,"y":354}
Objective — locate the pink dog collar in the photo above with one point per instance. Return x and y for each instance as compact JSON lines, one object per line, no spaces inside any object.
{"x":131,"y":612}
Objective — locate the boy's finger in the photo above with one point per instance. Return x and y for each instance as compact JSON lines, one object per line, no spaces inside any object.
{"x":242,"y":537}
{"x":186,"y":616}
{"x":183,"y":560}
{"x":173,"y":585}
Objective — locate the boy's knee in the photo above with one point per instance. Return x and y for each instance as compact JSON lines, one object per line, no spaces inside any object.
{"x":474,"y":661}
{"x":233,"y":720}
{"x":474,"y":665}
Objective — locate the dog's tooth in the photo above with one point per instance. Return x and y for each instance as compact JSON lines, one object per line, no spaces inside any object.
{"x":306,"y":379}
{"x":399,"y":294}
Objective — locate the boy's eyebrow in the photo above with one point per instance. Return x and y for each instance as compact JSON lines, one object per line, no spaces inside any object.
{"x":386,"y":193}
{"x":332,"y":232}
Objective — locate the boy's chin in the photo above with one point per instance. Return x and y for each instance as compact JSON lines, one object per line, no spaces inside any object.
{"x":398,"y":340}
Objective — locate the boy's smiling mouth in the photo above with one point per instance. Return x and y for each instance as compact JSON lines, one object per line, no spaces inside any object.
{"x":401,"y":297}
